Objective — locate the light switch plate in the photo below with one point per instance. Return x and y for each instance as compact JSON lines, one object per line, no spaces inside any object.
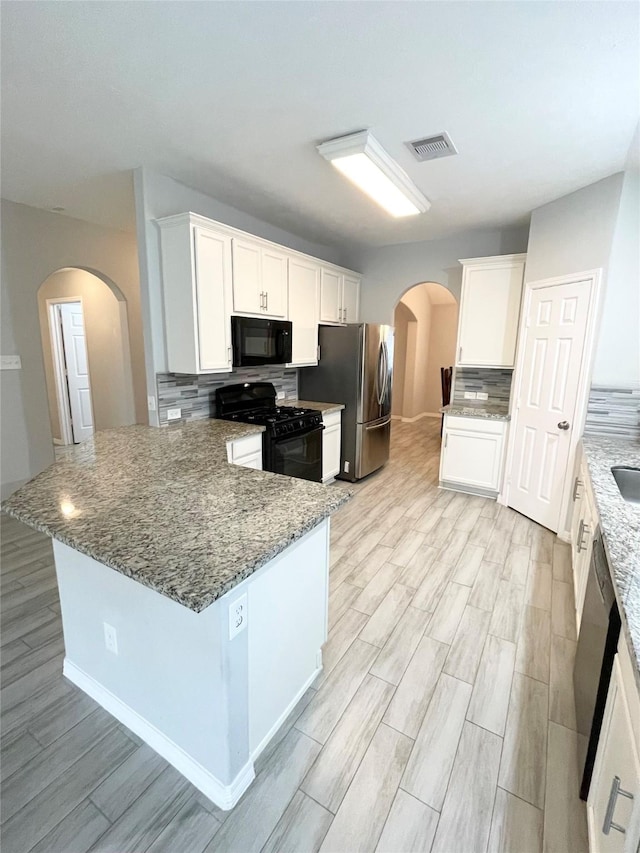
{"x":174,"y":414}
{"x":470,"y":395}
{"x":482,"y":395}
{"x":10,"y":362}
{"x":281,"y":395}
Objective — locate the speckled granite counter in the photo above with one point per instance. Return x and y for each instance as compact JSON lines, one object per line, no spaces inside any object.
{"x":325,"y":408}
{"x":620,"y":523}
{"x":165,"y":508}
{"x":492,"y":412}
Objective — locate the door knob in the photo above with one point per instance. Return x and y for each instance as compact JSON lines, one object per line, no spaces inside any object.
{"x":563,"y":425}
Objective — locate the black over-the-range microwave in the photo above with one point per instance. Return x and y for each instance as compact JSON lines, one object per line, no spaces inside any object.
{"x":258,"y":341}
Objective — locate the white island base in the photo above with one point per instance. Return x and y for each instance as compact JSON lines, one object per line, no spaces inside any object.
{"x":208,"y":704}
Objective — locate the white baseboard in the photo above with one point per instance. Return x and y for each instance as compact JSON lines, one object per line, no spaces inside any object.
{"x":416,"y":417}
{"x":224,"y":796}
{"x":274,"y":728}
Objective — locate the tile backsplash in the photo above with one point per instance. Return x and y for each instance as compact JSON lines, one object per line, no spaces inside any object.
{"x":195,"y":395}
{"x":613,"y":411}
{"x":492,"y":381}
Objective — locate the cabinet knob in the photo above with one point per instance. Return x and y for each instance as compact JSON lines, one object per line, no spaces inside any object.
{"x":564,"y":425}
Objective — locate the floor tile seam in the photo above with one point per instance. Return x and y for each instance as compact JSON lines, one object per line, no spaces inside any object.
{"x":109,"y":724}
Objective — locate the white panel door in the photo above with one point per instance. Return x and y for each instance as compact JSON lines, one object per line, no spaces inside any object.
{"x":75,"y":353}
{"x":304,"y":309}
{"x":330,"y":296}
{"x":212,"y":253}
{"x":471,"y":458}
{"x":274,"y":282}
{"x":350,"y":299}
{"x":248,"y":297}
{"x":553,"y":348}
{"x":489,"y":313}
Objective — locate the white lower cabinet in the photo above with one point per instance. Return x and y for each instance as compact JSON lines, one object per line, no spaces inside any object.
{"x":584,"y":521}
{"x":613,"y":807}
{"x":331,"y":445}
{"x":246,"y":452}
{"x":472,"y":453}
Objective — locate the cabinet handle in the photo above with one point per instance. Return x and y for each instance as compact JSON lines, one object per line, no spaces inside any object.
{"x":446,"y":438}
{"x":266,"y":300}
{"x":459,"y":354}
{"x":229,"y":355}
{"x":345,"y":315}
{"x":576,"y":487}
{"x":616,"y":790}
{"x":584,"y":528}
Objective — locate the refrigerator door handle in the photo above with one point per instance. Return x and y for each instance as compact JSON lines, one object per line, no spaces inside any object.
{"x":377,"y":426}
{"x":380,"y":380}
{"x":386,"y":372}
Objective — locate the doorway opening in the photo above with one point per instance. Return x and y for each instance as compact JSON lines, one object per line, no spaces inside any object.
{"x":85,"y":347}
{"x":426,"y":327}
{"x":71,"y":370}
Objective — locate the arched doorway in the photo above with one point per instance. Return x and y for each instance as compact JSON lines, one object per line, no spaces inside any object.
{"x":426,"y":322}
{"x":83,"y":315}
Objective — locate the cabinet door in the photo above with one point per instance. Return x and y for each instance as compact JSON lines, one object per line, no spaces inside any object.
{"x":350,"y":299}
{"x":489,"y":313}
{"x":304,"y":295}
{"x":274,"y":282}
{"x":471,"y":459}
{"x":617,"y":757}
{"x":247,"y":288}
{"x":330,"y":296}
{"x":331,"y":452}
{"x":212,"y":255}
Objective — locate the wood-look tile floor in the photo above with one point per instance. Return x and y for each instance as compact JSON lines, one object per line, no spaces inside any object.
{"x":443,"y":720}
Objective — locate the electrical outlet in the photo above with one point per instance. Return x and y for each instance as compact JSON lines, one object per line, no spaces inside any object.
{"x":174,"y":414}
{"x":346,"y":467}
{"x":281,"y":395}
{"x":110,"y":638}
{"x":482,"y":395}
{"x":237,"y":616}
{"x":470,"y":395}
{"x":151,"y":404}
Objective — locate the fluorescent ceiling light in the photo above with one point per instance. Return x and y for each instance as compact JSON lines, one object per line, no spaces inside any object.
{"x":366,"y":164}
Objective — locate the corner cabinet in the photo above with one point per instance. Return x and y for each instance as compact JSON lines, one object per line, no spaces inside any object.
{"x":331,"y":445}
{"x":489,"y":311}
{"x":339,"y":297}
{"x":196,"y":268}
{"x":472,"y":454}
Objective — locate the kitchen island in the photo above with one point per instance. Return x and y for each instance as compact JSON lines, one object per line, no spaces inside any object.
{"x":193,"y":592}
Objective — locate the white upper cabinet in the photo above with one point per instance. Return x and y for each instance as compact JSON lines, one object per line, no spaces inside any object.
{"x":211,"y":270}
{"x":304,"y":308}
{"x":196,"y":266}
{"x":350,"y":299}
{"x":490,"y":310}
{"x":339,"y":297}
{"x":330,"y":296}
{"x":259,"y":279}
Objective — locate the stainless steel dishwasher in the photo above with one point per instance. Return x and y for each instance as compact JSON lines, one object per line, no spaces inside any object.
{"x":597,"y":644}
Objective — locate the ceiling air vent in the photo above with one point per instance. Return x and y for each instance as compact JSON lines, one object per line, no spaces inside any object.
{"x":432,"y":147}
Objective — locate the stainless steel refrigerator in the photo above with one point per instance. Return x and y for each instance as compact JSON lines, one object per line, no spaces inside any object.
{"x":356,"y":364}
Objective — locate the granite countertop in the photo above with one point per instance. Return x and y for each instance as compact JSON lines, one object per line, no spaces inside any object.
{"x":491,"y":411}
{"x":325,"y":408}
{"x":164,"y":507}
{"x":620,"y":524}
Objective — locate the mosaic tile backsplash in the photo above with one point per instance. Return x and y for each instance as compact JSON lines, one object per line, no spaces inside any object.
{"x":492,"y":381}
{"x":195,"y":395}
{"x":613,"y":411}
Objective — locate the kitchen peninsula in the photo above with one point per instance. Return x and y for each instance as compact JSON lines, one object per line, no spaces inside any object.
{"x":193,"y":592}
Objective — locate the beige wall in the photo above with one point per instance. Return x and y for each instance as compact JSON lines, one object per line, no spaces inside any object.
{"x":105,"y":322}
{"x":35,"y":244}
{"x":425,"y":321}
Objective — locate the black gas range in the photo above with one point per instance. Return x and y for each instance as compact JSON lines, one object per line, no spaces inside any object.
{"x":292,"y":441}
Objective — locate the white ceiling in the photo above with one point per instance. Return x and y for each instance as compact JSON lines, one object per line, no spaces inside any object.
{"x":540,"y":98}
